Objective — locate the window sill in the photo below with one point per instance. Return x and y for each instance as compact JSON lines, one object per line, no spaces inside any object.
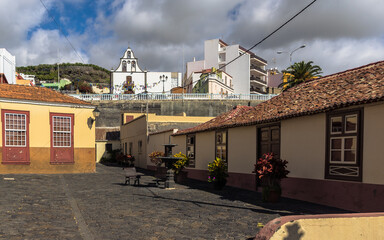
{"x":16,"y":163}
{"x":61,"y":163}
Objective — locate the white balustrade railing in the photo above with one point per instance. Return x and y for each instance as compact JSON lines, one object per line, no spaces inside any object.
{"x":172,"y":96}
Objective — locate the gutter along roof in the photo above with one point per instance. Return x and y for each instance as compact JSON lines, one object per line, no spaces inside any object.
{"x":356,"y":86}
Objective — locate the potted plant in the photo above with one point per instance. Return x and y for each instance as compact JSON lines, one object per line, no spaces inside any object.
{"x":125,"y":160}
{"x":179,"y":165}
{"x":154,"y":157}
{"x":130,"y":160}
{"x":218,"y":173}
{"x":270,"y":171}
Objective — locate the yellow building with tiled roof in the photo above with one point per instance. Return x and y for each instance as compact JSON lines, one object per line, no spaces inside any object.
{"x":43,"y":131}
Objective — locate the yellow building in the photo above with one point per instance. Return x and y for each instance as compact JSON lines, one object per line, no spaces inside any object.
{"x":43,"y":131}
{"x":107,"y":140}
{"x":139,"y":129}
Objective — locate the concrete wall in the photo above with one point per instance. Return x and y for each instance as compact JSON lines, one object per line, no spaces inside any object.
{"x":195,"y":66}
{"x":211,"y":53}
{"x":110,"y":111}
{"x":8,"y":65}
{"x":40,"y":140}
{"x":205,"y":149}
{"x":241,"y":149}
{"x":303,"y":146}
{"x":373,"y":150}
{"x":239,"y":70}
{"x":328,"y":226}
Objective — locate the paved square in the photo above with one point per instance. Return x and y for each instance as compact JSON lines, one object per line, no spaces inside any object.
{"x":99,"y":206}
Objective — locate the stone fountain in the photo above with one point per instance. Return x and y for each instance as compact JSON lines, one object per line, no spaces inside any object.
{"x":169,"y":160}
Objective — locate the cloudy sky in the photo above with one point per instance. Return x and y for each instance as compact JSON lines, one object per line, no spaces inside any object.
{"x":164,"y":34}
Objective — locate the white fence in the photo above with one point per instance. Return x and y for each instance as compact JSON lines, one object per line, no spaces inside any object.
{"x":172,"y":96}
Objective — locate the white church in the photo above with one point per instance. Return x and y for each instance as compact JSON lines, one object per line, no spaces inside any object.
{"x":129,"y":78}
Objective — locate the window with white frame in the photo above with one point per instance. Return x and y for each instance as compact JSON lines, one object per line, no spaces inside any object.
{"x":15,"y":130}
{"x":344,"y":159}
{"x":221,"y":145}
{"x":61,"y":131}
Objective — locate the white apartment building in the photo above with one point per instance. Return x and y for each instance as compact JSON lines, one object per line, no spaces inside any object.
{"x":248,"y":72}
{"x":129,"y":77}
{"x":8,"y":65}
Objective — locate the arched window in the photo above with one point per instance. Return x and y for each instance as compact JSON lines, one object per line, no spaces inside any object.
{"x":129,"y":54}
{"x":133,"y":64}
{"x":124,"y":66}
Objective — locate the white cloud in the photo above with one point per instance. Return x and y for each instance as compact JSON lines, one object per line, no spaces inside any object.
{"x":338,"y":34}
{"x":46,"y":46}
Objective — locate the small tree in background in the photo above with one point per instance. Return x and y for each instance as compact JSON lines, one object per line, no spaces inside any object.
{"x":300,"y":72}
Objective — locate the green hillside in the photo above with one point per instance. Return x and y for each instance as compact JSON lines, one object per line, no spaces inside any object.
{"x":76,"y":72}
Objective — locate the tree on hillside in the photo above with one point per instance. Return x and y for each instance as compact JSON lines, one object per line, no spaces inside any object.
{"x":300,"y":72}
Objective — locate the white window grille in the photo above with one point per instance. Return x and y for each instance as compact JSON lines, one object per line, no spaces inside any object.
{"x":62,"y":130}
{"x":15,"y":130}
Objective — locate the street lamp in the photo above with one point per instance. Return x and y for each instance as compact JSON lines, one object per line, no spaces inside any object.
{"x":290,"y":53}
{"x":145,"y":81}
{"x":163,"y":79}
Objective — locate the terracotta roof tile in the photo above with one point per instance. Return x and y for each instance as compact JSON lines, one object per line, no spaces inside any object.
{"x":223,"y":119}
{"x":352,"y":87}
{"x":41,"y":94}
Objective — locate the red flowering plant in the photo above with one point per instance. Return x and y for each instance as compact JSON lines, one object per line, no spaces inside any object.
{"x":271,"y":170}
{"x":125,"y":160}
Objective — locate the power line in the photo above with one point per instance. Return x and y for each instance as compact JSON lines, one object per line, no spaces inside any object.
{"x":60,"y":29}
{"x":265,"y":38}
{"x":262,"y":40}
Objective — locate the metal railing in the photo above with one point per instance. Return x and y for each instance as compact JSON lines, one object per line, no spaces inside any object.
{"x":171,"y":96}
{"x":258,"y":69}
{"x":257,"y":79}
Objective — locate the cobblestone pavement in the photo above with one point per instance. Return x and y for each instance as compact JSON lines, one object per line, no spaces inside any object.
{"x":99,"y":206}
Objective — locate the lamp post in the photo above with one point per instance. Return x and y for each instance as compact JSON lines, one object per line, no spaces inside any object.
{"x":163,"y":79}
{"x":290,"y":53}
{"x":145,"y":81}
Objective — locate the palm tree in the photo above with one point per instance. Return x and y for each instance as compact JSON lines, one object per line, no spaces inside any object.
{"x":300,"y":72}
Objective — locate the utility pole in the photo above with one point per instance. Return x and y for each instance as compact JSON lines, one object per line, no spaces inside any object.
{"x":58,"y":64}
{"x":145,"y":81}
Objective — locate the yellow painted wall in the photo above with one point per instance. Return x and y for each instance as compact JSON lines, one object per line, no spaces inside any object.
{"x":205,"y":149}
{"x":39,"y":140}
{"x":100,"y":149}
{"x":303,"y":146}
{"x":134,"y":132}
{"x":353,"y":228}
{"x":373,"y":149}
{"x":241,"y":149}
{"x":152,"y":117}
